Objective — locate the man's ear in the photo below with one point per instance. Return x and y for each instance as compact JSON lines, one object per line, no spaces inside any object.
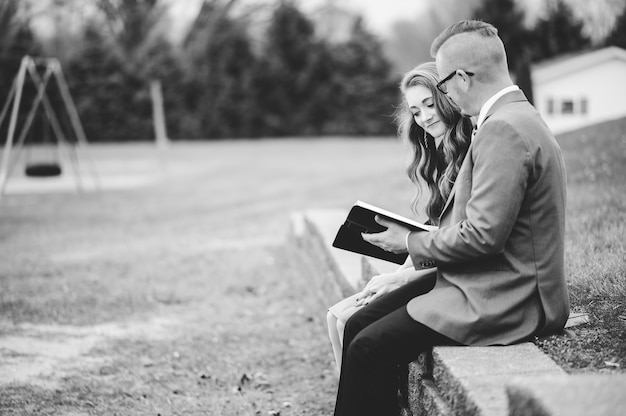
{"x":466,"y":80}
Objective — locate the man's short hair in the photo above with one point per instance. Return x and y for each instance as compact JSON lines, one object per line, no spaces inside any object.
{"x":464,"y":26}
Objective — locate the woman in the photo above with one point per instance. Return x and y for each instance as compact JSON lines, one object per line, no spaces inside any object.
{"x":439,"y":137}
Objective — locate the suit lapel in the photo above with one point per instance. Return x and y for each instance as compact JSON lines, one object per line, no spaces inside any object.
{"x":511,"y":97}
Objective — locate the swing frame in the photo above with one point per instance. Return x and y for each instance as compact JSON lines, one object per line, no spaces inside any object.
{"x":28,"y":66}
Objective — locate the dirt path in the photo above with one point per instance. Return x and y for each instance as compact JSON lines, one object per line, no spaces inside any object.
{"x":251,"y":346}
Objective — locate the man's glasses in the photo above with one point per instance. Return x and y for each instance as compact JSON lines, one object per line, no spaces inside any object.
{"x":441,"y":85}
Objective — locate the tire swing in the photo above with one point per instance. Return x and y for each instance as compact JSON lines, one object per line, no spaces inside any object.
{"x":44,"y":169}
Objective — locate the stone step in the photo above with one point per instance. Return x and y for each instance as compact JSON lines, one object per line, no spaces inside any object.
{"x":314,"y":231}
{"x":573,"y":395}
{"x":472,"y":380}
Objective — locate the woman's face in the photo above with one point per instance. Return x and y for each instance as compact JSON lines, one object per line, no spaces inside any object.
{"x":422,"y":107}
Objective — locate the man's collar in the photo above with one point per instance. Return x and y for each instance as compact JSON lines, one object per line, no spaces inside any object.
{"x":491,"y":101}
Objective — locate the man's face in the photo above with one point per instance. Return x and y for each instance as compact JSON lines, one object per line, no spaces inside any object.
{"x":454,"y":85}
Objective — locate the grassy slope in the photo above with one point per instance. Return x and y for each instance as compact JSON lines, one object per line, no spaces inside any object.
{"x":595,"y":251}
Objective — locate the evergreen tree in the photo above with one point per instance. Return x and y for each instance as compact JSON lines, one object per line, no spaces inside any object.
{"x":134,"y":29}
{"x":220,"y":86}
{"x":363,"y":92}
{"x":136,"y":38}
{"x":310,"y":87}
{"x":618,"y":36}
{"x":558,"y":33}
{"x":16,"y":41}
{"x":103,"y":91}
{"x":289,"y":77}
{"x":321,"y":106}
{"x":10,"y":24}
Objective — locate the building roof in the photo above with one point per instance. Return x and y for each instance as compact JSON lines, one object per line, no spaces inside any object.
{"x":567,"y":64}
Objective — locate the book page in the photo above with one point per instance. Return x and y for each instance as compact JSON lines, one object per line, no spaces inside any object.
{"x":395,"y":216}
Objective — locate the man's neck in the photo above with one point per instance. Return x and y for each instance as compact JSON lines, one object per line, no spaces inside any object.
{"x":491,"y":90}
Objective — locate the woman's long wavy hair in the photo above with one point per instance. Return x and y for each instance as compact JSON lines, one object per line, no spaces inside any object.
{"x":437,"y":167}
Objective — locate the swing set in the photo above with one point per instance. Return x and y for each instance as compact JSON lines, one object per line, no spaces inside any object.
{"x":50,"y":167}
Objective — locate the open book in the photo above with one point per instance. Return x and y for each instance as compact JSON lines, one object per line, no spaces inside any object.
{"x":361,"y":220}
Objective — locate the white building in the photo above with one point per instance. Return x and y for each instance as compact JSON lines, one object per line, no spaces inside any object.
{"x":580,"y":90}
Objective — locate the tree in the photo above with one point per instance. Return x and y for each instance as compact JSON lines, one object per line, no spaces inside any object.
{"x":220,"y":83}
{"x":311,"y":87}
{"x":9,"y":24}
{"x":509,"y":19}
{"x":557,"y":33}
{"x":363,"y":93}
{"x":104,"y":91}
{"x":134,"y":26}
{"x":134,"y":29}
{"x":62,"y":19}
{"x":618,"y":36}
{"x":290,"y":76}
{"x":16,"y":41}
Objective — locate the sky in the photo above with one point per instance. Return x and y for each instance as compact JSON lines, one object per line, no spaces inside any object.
{"x":379,"y":15}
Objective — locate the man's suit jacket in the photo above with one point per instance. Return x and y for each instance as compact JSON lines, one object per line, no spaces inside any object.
{"x":499,"y":249}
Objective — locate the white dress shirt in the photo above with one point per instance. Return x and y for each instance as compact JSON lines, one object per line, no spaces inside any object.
{"x":490,"y":102}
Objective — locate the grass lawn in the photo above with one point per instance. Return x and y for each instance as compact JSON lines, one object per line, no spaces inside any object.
{"x":182,"y":296}
{"x":596,"y":249}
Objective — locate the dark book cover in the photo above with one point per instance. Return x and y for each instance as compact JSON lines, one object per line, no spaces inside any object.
{"x":360,"y":219}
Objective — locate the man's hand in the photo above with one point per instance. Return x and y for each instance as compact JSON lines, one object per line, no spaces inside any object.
{"x":392,"y":239}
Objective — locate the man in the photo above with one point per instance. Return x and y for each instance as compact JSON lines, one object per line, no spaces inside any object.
{"x":499,"y":249}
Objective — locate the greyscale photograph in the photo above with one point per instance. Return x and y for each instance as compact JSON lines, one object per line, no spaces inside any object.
{"x":312,"y":207}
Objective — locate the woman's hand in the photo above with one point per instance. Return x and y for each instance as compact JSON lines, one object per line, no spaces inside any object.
{"x":379,"y":285}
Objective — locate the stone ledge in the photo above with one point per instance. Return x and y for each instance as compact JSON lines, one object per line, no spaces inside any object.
{"x":309,"y":234}
{"x":424,"y":398}
{"x":314,"y":231}
{"x":472,"y":379}
{"x":579,"y":394}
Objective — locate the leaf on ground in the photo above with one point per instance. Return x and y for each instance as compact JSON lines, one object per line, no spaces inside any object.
{"x":244,"y":380}
{"x":146,"y":361}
